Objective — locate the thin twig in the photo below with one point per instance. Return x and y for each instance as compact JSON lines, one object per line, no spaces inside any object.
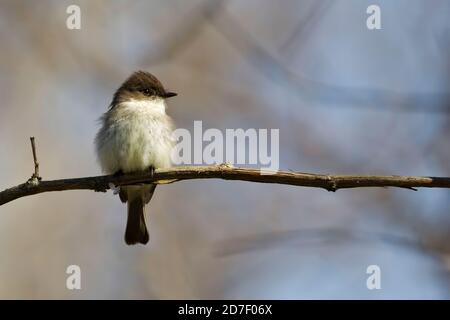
{"x":324,"y":181}
{"x":35,"y":176}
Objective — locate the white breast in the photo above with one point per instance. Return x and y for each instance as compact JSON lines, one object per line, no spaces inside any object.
{"x":135,"y":135}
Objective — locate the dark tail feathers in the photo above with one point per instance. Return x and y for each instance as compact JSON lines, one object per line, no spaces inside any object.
{"x":136,"y":231}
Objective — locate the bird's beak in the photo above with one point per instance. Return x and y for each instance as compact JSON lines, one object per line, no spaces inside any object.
{"x":170,"y":94}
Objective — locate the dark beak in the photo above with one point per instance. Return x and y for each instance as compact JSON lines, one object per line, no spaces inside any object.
{"x":170,"y":94}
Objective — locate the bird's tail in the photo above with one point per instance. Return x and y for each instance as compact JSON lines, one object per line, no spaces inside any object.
{"x":137,"y":197}
{"x":136,"y":231}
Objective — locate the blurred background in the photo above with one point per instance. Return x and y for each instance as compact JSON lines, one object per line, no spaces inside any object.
{"x":346,"y":100}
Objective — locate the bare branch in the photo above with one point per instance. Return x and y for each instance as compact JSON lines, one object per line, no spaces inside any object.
{"x":163,"y":176}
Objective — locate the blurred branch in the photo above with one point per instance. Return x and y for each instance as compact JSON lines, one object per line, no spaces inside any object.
{"x":303,"y":28}
{"x":311,"y":236}
{"x":183,"y":33}
{"x":226,"y":172}
{"x":269,"y":65}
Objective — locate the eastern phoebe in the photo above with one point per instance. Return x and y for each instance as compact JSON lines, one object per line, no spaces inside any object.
{"x":136,"y":135}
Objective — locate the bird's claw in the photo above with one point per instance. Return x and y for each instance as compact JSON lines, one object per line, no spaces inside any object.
{"x":115,"y":189}
{"x":151,"y":169}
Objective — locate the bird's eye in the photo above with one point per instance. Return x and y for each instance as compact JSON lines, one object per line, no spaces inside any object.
{"x":146,"y":92}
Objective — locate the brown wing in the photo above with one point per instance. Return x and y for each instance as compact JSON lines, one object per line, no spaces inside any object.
{"x":123,"y":195}
{"x":148,"y":195}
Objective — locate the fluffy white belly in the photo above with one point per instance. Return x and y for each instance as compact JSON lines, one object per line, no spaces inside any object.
{"x":135,"y":136}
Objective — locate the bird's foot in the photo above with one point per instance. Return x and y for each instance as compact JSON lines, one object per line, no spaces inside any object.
{"x":151,"y":169}
{"x":115,"y":189}
{"x":118,"y":173}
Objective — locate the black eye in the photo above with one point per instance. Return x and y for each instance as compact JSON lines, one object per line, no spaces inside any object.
{"x":147,"y":92}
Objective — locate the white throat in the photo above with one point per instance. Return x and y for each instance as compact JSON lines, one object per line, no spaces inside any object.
{"x":156,"y":105}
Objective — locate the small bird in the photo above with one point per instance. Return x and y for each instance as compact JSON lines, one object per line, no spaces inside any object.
{"x":135,"y":136}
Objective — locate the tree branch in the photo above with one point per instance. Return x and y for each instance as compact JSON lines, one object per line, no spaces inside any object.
{"x":226,"y":172}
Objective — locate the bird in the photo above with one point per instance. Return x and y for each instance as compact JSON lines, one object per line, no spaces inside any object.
{"x":136,"y":136}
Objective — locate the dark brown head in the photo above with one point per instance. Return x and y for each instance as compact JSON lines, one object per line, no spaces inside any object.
{"x":141,"y":85}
